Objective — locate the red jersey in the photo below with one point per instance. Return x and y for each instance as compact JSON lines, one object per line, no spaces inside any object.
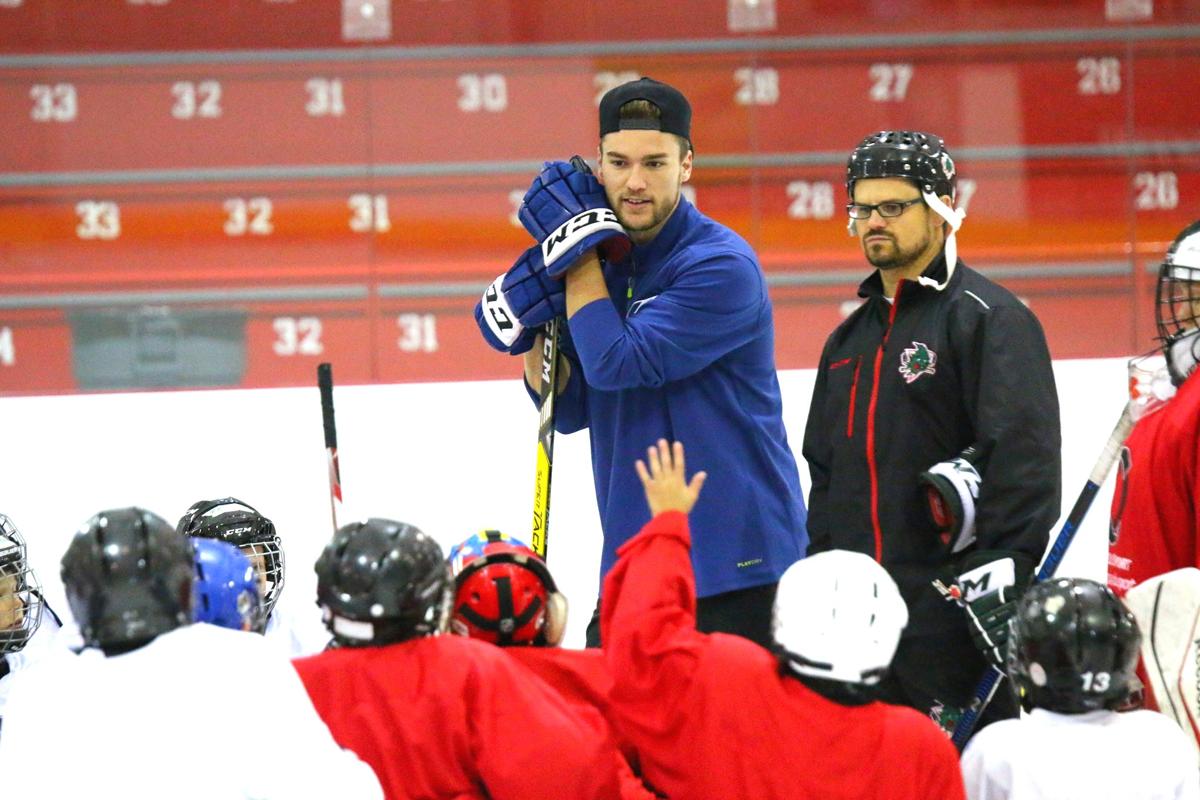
{"x":1155,"y":511}
{"x":711,"y":716}
{"x":454,"y":718}
{"x":582,"y":677}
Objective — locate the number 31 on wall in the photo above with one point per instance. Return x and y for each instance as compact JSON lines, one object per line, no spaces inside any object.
{"x":418,"y":333}
{"x":8,"y":353}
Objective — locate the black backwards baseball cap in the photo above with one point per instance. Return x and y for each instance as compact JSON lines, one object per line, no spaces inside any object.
{"x":676,"y":112}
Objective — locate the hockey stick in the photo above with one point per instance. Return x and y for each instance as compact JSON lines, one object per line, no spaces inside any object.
{"x":991,"y":679}
{"x":545,"y":451}
{"x":539,"y":537}
{"x":325,"y":384}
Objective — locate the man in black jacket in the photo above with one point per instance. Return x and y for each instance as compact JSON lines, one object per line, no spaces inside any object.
{"x":933,"y":436}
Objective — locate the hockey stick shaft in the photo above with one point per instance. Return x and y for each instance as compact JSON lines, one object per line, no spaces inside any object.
{"x":325,"y":385}
{"x":545,"y":447}
{"x":1108,"y":456}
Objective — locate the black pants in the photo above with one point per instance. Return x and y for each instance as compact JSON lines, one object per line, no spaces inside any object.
{"x":1003,"y":705}
{"x":744,"y":612}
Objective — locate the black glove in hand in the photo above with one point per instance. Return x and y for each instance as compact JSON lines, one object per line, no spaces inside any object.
{"x":988,"y":588}
{"x":951,"y":490}
{"x":989,"y":616}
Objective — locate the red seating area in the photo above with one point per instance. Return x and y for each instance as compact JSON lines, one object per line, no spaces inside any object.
{"x":40,"y":26}
{"x":168,"y":159}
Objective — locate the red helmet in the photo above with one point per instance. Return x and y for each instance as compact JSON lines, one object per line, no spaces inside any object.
{"x":504,"y":593}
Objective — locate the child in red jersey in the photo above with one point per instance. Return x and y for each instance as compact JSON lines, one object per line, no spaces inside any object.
{"x":437,"y":716}
{"x":714,"y":715}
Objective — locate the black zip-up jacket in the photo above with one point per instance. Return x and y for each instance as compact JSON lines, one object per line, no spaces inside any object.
{"x":904,"y":385}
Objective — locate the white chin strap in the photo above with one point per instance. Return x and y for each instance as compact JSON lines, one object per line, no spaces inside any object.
{"x":954,"y":218}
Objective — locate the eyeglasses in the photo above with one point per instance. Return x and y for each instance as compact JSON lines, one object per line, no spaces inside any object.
{"x":892,"y":208}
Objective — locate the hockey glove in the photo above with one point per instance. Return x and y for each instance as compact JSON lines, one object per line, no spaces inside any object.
{"x":988,"y":587}
{"x":951,"y":489}
{"x":519,"y":302}
{"x":566,"y":211}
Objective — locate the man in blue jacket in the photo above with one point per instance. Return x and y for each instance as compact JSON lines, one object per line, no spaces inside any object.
{"x":670,"y":335}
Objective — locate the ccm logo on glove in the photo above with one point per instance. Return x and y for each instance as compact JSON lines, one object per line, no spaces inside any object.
{"x":576,"y":229}
{"x":499,"y":317}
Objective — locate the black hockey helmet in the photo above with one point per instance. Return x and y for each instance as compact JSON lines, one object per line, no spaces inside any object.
{"x":382,"y":581}
{"x":244,"y":527}
{"x":1074,"y":647}
{"x":128,"y":577}
{"x":20,"y":594}
{"x":1177,"y":306}
{"x":919,"y":157}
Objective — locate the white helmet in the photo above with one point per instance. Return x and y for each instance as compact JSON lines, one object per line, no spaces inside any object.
{"x":1177,"y":304}
{"x":838,"y":616}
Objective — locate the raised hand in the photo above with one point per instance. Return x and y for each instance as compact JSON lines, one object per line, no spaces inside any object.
{"x":665,"y":480}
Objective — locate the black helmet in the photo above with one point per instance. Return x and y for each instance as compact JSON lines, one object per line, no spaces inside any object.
{"x":128,"y":577}
{"x":20,"y":595}
{"x":919,"y":157}
{"x":383,"y":581}
{"x":247,"y":529}
{"x":1074,"y":647}
{"x":1177,"y":306}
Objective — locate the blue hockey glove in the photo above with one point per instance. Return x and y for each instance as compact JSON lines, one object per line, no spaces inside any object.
{"x":566,"y":211}
{"x":518,"y":303}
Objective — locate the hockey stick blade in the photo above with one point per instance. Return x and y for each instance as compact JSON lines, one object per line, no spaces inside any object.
{"x":545,"y":448}
{"x":325,"y":385}
{"x":1108,"y":456}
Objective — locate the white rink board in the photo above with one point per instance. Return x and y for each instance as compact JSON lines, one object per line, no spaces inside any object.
{"x":451,"y":458}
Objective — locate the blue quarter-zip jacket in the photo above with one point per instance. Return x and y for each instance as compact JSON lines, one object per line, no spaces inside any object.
{"x":685,"y":350}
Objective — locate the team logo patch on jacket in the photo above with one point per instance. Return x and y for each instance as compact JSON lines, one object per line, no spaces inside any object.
{"x":916,"y":361}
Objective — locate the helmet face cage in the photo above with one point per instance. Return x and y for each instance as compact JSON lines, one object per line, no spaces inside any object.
{"x":1177,"y":304}
{"x":20,"y":593}
{"x":503,"y":590}
{"x":267,"y":560}
{"x":250,"y":531}
{"x":1074,"y":647}
{"x":1178,"y":301}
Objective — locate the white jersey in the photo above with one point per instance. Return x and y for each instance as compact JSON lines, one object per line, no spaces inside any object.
{"x":1135,"y":755}
{"x":296,"y":635}
{"x":200,"y":712}
{"x":47,"y":641}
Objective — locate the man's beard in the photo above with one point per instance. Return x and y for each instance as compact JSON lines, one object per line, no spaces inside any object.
{"x":658,"y":213}
{"x":894,"y":257}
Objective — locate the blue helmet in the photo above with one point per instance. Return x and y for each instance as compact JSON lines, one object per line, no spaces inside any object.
{"x":226,"y":587}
